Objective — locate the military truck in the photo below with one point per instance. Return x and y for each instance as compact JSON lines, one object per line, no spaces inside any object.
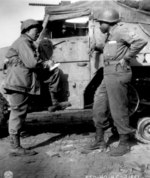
{"x":73,"y":28}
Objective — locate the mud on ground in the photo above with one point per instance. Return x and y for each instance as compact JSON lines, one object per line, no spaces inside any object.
{"x":61,"y":156}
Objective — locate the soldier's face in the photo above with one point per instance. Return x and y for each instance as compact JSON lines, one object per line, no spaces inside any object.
{"x":34,"y":33}
{"x":104,"y":27}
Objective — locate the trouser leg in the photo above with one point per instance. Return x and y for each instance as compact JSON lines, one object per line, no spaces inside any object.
{"x":101,"y":106}
{"x":117,"y":88}
{"x":19,"y":105}
{"x":100,"y":111}
{"x":54,"y":85}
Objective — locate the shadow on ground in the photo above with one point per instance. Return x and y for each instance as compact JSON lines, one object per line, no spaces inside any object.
{"x":64,"y":129}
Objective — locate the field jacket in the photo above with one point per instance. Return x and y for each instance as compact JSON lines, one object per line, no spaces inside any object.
{"x":122,"y":43}
{"x":22,"y":67}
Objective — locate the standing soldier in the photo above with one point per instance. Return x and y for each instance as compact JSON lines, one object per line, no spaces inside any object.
{"x":21,"y":80}
{"x":121,"y":46}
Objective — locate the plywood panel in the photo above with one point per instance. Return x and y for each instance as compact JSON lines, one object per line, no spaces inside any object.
{"x":73,"y":49}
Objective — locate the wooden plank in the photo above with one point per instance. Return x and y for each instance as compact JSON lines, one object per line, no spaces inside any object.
{"x":66,"y":116}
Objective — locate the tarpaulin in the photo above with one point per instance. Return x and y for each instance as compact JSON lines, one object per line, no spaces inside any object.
{"x":83,"y":8}
{"x":138,"y":4}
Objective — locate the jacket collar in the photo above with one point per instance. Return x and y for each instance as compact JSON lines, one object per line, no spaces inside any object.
{"x":27,"y":37}
{"x":111,"y":31}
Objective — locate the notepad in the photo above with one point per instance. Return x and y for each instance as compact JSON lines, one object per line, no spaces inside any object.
{"x":54,"y":66}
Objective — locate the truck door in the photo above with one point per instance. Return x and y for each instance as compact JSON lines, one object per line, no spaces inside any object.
{"x":72,"y":54}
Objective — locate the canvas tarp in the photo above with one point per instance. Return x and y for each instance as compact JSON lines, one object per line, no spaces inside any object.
{"x":143,"y":5}
{"x":84,"y":8}
{"x":73,"y":10}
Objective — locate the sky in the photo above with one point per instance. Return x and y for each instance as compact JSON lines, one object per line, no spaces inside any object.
{"x":12,"y":12}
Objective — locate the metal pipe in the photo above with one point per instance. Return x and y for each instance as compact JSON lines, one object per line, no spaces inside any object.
{"x":72,"y":61}
{"x":41,"y":4}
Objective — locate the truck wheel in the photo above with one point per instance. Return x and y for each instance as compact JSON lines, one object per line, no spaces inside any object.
{"x":133,"y":100}
{"x":143,"y":130}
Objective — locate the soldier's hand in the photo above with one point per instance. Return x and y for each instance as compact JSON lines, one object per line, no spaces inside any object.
{"x":90,"y":52}
{"x":48,"y":64}
{"x":122,"y":62}
{"x":92,"y":49}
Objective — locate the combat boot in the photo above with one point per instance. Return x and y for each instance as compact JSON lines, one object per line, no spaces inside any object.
{"x":122,"y":148}
{"x":98,"y":142}
{"x":16,"y":149}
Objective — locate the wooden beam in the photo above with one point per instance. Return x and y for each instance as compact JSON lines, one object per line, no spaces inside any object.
{"x":45,"y":22}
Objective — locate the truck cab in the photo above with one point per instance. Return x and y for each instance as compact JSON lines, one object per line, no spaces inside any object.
{"x":73,"y":30}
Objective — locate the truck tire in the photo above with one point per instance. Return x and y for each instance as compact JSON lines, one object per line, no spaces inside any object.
{"x":143,"y":130}
{"x":134,"y":100}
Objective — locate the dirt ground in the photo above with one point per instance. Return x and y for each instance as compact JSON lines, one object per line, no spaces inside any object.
{"x":60,"y":155}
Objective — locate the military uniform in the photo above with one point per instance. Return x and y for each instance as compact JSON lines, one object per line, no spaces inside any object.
{"x":121,"y":46}
{"x":112,"y":93}
{"x":21,"y":80}
{"x":51,"y":78}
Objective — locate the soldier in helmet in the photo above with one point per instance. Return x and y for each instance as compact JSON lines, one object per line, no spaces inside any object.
{"x":21,"y":81}
{"x":121,"y":46}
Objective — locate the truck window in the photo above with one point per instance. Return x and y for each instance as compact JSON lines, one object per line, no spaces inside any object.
{"x":62,"y":29}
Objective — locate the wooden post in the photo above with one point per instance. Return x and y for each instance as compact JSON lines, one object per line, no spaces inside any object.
{"x":45,"y":22}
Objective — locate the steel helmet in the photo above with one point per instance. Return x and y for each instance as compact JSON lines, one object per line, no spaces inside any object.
{"x":28,"y":24}
{"x":108,"y":15}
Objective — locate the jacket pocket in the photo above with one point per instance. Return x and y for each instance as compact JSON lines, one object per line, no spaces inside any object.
{"x":110,"y":50}
{"x":19,"y":77}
